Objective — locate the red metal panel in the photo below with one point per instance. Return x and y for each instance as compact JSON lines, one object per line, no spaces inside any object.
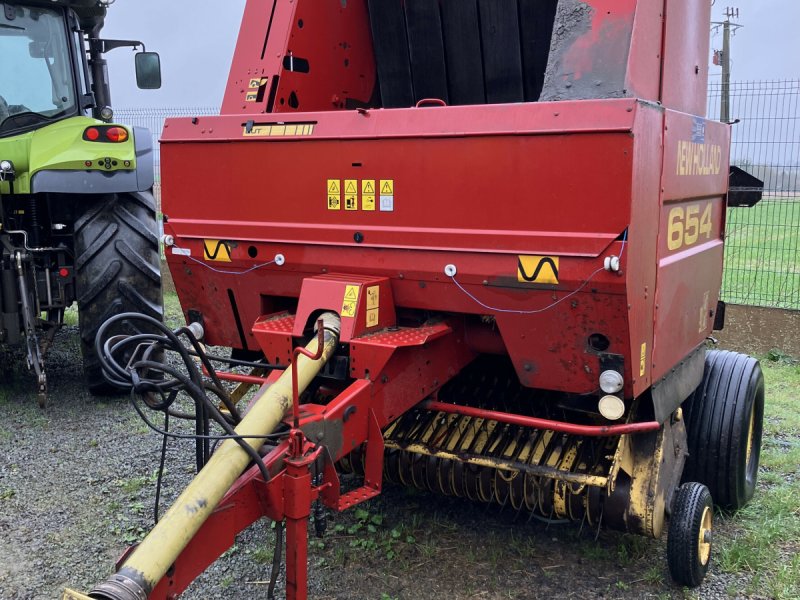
{"x":447,"y":195}
{"x":643,"y":78}
{"x":690,"y":236}
{"x":686,"y":42}
{"x":640,"y":260}
{"x":249,"y":62}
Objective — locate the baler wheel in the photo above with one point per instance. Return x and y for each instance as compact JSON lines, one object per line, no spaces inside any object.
{"x":117,"y":269}
{"x":724,"y":424}
{"x":689,"y":537}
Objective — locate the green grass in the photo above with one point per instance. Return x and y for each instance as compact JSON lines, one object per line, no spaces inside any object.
{"x":761,"y":250}
{"x":764,"y":543}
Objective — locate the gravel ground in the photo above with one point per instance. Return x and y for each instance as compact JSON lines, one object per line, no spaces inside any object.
{"x":77,"y":486}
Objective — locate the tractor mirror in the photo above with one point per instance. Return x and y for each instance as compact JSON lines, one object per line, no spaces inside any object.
{"x":148,"y":70}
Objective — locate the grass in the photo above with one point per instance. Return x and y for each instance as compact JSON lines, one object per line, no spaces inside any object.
{"x":764,"y":540}
{"x":762,"y":246}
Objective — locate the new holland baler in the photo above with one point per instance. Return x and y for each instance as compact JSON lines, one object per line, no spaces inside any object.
{"x":500,"y":224}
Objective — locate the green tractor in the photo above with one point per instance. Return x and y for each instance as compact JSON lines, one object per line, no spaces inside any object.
{"x":76,"y":202}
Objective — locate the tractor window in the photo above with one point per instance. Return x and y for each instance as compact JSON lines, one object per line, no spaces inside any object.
{"x":36,"y":76}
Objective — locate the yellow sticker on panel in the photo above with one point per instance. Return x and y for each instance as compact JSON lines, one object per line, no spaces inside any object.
{"x":216,"y":250}
{"x":373,"y":317}
{"x":537,"y":269}
{"x":251,"y":96}
{"x":387,"y":187}
{"x":351,"y":194}
{"x":643,"y":360}
{"x":350,"y":301}
{"x":373,"y":296}
{"x":334,"y":186}
{"x":368,"y":194}
{"x":334,"y":203}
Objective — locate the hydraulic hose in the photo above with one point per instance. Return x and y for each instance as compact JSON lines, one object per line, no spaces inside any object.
{"x":150,"y":561}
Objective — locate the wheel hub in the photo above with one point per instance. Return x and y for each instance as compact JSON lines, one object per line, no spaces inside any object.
{"x":704,"y":537}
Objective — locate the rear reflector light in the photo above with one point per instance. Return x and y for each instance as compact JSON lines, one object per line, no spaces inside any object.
{"x":108,"y":134}
{"x":117,"y":134}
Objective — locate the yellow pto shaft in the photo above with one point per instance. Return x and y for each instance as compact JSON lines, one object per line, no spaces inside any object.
{"x":158,"y":551}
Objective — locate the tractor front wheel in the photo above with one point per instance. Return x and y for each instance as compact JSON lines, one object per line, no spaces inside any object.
{"x":723,"y":425}
{"x":117,"y":268}
{"x":689,"y":537}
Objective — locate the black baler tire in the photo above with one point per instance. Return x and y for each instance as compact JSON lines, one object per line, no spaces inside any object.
{"x":718,"y":417}
{"x":683,"y":552}
{"x":118,"y":269}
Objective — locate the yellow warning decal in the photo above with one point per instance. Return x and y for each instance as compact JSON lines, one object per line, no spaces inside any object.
{"x":251,"y":96}
{"x":643,"y":360}
{"x":351,"y":194}
{"x":217,"y":250}
{"x":359,"y":194}
{"x":373,"y":317}
{"x":256,"y":83}
{"x":334,"y":194}
{"x":368,"y":194}
{"x":373,"y":296}
{"x":350,"y":301}
{"x":277,"y":129}
{"x":537,"y":269}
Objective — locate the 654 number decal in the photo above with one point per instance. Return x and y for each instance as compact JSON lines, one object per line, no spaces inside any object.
{"x":686,"y":225}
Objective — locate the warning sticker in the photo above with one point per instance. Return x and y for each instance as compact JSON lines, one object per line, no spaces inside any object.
{"x":351,"y":194}
{"x":254,"y":83}
{"x":373,"y":296}
{"x":334,"y":194}
{"x":368,"y":194}
{"x":251,"y":97}
{"x":373,"y":317}
{"x":217,"y":250}
{"x":354,"y":194}
{"x":537,"y":269}
{"x":643,"y":360}
{"x":350,"y":301}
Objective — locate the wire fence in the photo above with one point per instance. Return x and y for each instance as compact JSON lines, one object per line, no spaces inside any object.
{"x":763,"y":242}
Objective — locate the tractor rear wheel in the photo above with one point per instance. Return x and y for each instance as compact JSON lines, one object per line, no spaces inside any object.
{"x":118,"y":269}
{"x":724,"y":423}
{"x":689,"y":537}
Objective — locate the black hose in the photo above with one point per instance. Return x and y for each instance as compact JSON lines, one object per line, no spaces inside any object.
{"x":128,"y":362}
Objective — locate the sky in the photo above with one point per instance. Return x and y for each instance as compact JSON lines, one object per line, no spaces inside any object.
{"x":196,"y":39}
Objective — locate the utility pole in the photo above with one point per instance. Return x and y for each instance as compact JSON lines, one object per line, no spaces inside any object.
{"x":725,"y":61}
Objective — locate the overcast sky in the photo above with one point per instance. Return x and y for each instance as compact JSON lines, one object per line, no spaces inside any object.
{"x":196,"y":39}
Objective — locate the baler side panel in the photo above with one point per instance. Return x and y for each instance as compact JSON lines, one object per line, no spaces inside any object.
{"x":644,"y":62}
{"x":641,"y":252}
{"x":690,"y":236}
{"x":250,"y":64}
{"x":303,"y":55}
{"x":686,"y":46}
